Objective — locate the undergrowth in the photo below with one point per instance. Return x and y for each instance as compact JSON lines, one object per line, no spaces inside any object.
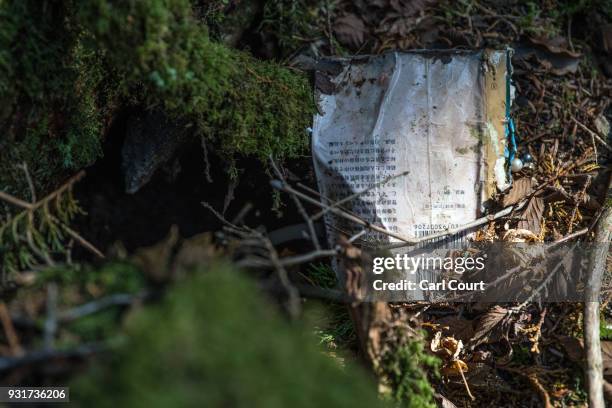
{"x":214,"y":342}
{"x":403,"y":368}
{"x":404,"y":363}
{"x":67,"y":67}
{"x":38,"y":234}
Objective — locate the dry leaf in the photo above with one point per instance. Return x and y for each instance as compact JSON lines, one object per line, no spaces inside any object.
{"x":455,"y":367}
{"x":155,"y":260}
{"x":447,"y":347}
{"x":533,"y":215}
{"x":550,"y":53}
{"x":409,"y":7}
{"x":456,"y":327}
{"x":521,"y":188}
{"x":574,"y":349}
{"x":350,"y":30}
{"x":520,"y":235}
{"x":488,"y":327}
{"x":444,"y":402}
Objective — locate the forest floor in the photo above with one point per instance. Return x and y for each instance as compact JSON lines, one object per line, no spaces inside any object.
{"x":55,"y":319}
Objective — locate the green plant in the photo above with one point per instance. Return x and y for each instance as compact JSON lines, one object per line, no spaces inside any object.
{"x":214,"y":342}
{"x":403,"y":367}
{"x":322,"y":275}
{"x":292,"y":22}
{"x":39,"y":232}
{"x":67,"y":67}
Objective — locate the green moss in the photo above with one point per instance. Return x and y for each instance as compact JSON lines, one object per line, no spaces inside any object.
{"x":112,"y":277}
{"x":48,"y":112}
{"x":293,"y":23}
{"x":215,"y":343}
{"x":165,"y":57}
{"x":66,"y":67}
{"x":403,"y":369}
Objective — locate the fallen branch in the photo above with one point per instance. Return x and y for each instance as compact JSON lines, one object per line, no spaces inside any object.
{"x":248,"y":233}
{"x":290,"y":260}
{"x":597,"y":263}
{"x":9,"y":330}
{"x":309,"y":221}
{"x":592,"y":133}
{"x":117,"y":299}
{"x":35,"y":205}
{"x":43,"y":356}
{"x":406,"y":241}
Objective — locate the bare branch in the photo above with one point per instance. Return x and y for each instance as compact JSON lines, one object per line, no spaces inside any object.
{"x":84,"y":243}
{"x":597,"y":262}
{"x":291,"y":260}
{"x":406,"y":241}
{"x":117,"y":299}
{"x":592,"y":133}
{"x":24,"y":167}
{"x":300,"y":207}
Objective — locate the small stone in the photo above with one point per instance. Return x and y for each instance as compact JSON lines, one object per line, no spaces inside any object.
{"x":516,"y":165}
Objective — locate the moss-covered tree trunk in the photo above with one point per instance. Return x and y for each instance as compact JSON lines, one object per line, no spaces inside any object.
{"x":68,"y":67}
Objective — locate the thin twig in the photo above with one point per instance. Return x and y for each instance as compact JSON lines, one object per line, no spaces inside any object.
{"x":9,"y":330}
{"x":290,"y":260}
{"x":84,"y":243}
{"x":406,"y":241}
{"x":34,"y":206}
{"x":572,"y":236}
{"x":15,"y":201}
{"x":300,"y":207}
{"x":24,"y":167}
{"x":294,"y":301}
{"x":357,"y":236}
{"x":467,"y":387}
{"x":293,"y":294}
{"x":41,"y":356}
{"x":117,"y":299}
{"x":592,"y":133}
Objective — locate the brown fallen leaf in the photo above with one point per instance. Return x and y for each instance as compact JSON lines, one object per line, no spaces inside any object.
{"x":455,"y":367}
{"x":350,"y":30}
{"x":446,"y":347}
{"x":574,"y":349}
{"x":456,"y":327}
{"x":550,"y":53}
{"x":520,"y":235}
{"x":410,"y":7}
{"x":444,"y":402}
{"x":489,"y":327}
{"x":521,"y":188}
{"x":155,"y":260}
{"x":533,"y":215}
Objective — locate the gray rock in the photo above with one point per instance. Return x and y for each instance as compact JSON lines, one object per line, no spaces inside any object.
{"x":152,"y":140}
